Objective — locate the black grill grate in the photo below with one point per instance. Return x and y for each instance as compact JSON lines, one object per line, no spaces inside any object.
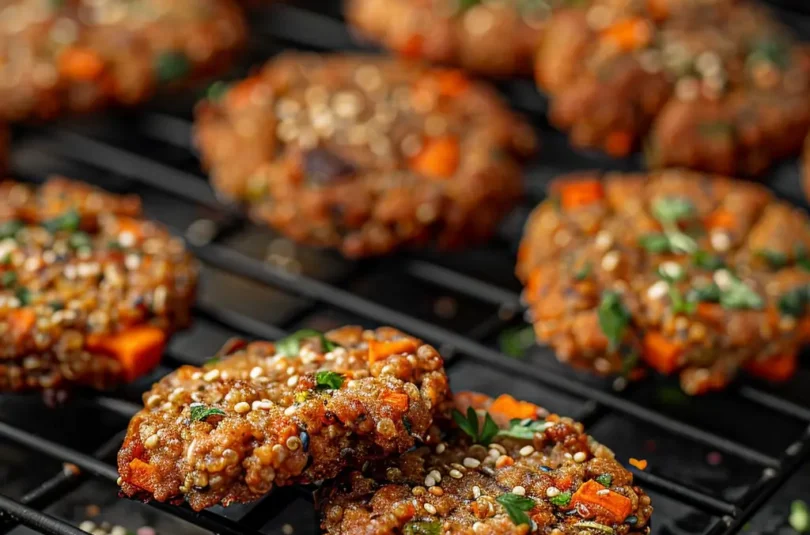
{"x":258,"y":285}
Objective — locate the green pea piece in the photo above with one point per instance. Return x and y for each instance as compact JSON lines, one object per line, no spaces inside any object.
{"x":171,"y":66}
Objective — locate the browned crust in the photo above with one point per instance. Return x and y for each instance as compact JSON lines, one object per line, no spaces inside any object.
{"x":618,"y":101}
{"x":570,"y":257}
{"x":141,"y":46}
{"x":391,"y":496}
{"x":287,"y":429}
{"x":260,"y":157}
{"x":110,"y":272}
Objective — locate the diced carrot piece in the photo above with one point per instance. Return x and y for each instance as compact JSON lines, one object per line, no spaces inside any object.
{"x":453,"y":83}
{"x":641,"y":464}
{"x":131,"y":226}
{"x":506,"y":405}
{"x":80,"y":63}
{"x":137,"y":349}
{"x":619,"y":143}
{"x":629,"y":34}
{"x":577,"y":193}
{"x":439,"y":157}
{"x":141,"y":474}
{"x":775,"y":368}
{"x":614,"y":505}
{"x":411,"y":46}
{"x":20,"y":322}
{"x":380,"y":350}
{"x":397,"y":400}
{"x":534,"y":282}
{"x":721,"y":218}
{"x":661,"y":353}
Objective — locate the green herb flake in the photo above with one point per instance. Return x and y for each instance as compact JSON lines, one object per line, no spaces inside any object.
{"x":423,"y":528}
{"x":516,"y":507}
{"x":200,"y":412}
{"x":212,"y":361}
{"x":8,"y":279}
{"x":708,"y":261}
{"x":709,"y":293}
{"x":672,"y":209}
{"x":613,"y":318}
{"x":523,"y":429}
{"x":562,"y":499}
{"x":291,"y":345}
{"x":79,"y":240}
{"x":68,"y":222}
{"x":24,"y":295}
{"x":584,"y":272}
{"x":605,"y":480}
{"x":9,"y":229}
{"x":739,"y":295}
{"x":775,"y":259}
{"x":171,"y":66}
{"x":217,"y":90}
{"x":799,"y":518}
{"x":328,"y":380}
{"x":671,"y":272}
{"x":803,"y":262}
{"x":655,"y":243}
{"x":516,"y":341}
{"x":469,"y":425}
{"x":794,"y":302}
{"x":680,"y":305}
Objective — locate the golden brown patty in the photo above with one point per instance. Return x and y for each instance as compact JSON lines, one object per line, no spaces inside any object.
{"x":365,"y":154}
{"x":486,"y":38}
{"x":89,"y":292}
{"x":714,"y":85}
{"x":697,"y":275}
{"x":541,"y":473}
{"x":76,"y":55}
{"x":295,"y":411}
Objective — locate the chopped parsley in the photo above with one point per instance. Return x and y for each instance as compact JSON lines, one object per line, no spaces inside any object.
{"x":738,"y":295}
{"x":8,"y":279}
{"x":605,"y":480}
{"x":655,"y":243}
{"x":613,"y":318}
{"x":469,"y":425}
{"x":24,"y":295}
{"x":423,"y":528}
{"x":9,"y":229}
{"x":523,"y":429}
{"x":562,"y":499}
{"x":669,"y":210}
{"x":217,"y":90}
{"x":328,"y":380}
{"x":516,"y":507}
{"x":79,"y":240}
{"x":69,"y":222}
{"x":775,"y":259}
{"x":291,"y":345}
{"x":583,"y":272}
{"x":709,"y":293}
{"x":706,"y":260}
{"x":680,"y":305}
{"x":171,"y":66}
{"x":200,"y":412}
{"x":794,"y":302}
{"x":514,"y":342}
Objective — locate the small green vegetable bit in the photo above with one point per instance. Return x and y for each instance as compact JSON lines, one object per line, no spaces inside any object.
{"x":799,"y":518}
{"x":68,"y":222}
{"x":9,"y":229}
{"x":291,"y":345}
{"x":613,"y":318}
{"x":605,"y":479}
{"x":171,"y":66}
{"x":200,"y":412}
{"x":328,"y":380}
{"x":562,"y":499}
{"x":775,"y":259}
{"x":469,"y":425}
{"x":8,"y":279}
{"x":423,"y":528}
{"x":516,"y":507}
{"x":523,"y":429}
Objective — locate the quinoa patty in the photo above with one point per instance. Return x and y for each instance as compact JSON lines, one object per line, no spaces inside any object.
{"x":365,"y":154}
{"x":698,"y":275}
{"x":540,"y":473}
{"x":77,"y":55}
{"x":295,"y":411}
{"x":716,"y":85}
{"x":89,"y":292}
{"x":498,"y":39}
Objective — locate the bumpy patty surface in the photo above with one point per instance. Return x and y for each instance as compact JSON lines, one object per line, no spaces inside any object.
{"x":364,"y":153}
{"x":295,"y":411}
{"x":697,"y":275}
{"x":78,"y":55}
{"x":715,"y":85}
{"x":484,"y":37}
{"x":89,"y":291}
{"x":540,"y":473}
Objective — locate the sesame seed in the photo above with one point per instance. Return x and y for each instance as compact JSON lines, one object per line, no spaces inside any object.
{"x":211,"y":375}
{"x":580,"y":456}
{"x":429,"y":481}
{"x":720,"y":241}
{"x":610,"y":261}
{"x":469,"y":462}
{"x":436,"y":475}
{"x":671,"y":269}
{"x":455,"y":474}
{"x":292,"y":381}
{"x":440,"y":448}
{"x":152,"y":442}
{"x":153,"y":401}
{"x":520,"y":491}
{"x":436,"y":491}
{"x":604,"y":240}
{"x":119,"y":481}
{"x":658,"y":290}
{"x":525,"y":451}
{"x":289,"y":411}
{"x":430,"y":508}
{"x":722,"y":278}
{"x":603,"y":492}
{"x":293,"y":443}
{"x":256,"y":372}
{"x":242,"y":407}
{"x":552,"y":491}
{"x":477,"y":491}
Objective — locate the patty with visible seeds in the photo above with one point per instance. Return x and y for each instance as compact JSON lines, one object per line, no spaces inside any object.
{"x":541,"y":473}
{"x":696,"y":275}
{"x":713,"y":85}
{"x":295,"y":411}
{"x":365,"y":154}
{"x":89,"y":291}
{"x":78,"y":55}
{"x":497,"y":39}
